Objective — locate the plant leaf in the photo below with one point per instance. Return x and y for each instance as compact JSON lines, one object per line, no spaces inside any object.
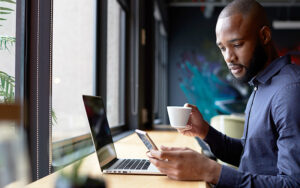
{"x":54,"y":117}
{"x":7,"y":9}
{"x":6,"y":41}
{"x":5,"y":12}
{"x":7,"y":87}
{"x":8,"y":1}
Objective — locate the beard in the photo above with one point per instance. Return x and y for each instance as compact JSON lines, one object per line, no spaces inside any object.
{"x":257,"y":64}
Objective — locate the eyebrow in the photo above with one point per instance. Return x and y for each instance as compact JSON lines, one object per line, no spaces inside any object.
{"x":230,"y":41}
{"x":234,"y":40}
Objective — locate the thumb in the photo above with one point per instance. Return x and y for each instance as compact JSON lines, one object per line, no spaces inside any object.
{"x":164,"y":148}
{"x":190,"y":105}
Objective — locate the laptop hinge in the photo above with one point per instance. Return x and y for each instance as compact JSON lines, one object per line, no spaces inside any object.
{"x":110,"y":163}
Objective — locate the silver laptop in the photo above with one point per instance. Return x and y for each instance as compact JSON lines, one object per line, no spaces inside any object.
{"x":104,"y":146}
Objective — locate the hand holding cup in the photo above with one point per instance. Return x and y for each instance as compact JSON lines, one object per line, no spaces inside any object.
{"x":195,"y":125}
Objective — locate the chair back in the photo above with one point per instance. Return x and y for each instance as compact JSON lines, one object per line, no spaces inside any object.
{"x":231,"y":125}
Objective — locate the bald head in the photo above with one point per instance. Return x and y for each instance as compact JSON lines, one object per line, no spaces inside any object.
{"x":244,"y":38}
{"x":250,"y":9}
{"x":246,"y":19}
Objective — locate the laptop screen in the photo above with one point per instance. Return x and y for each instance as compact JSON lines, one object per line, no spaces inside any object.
{"x":100,"y":130}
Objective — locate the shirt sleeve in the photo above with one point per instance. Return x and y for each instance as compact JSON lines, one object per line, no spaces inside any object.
{"x":233,"y":178}
{"x":225,"y":148}
{"x":287,"y":120}
{"x":286,"y":115}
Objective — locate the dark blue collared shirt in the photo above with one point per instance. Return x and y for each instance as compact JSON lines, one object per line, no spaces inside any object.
{"x":268,"y":155}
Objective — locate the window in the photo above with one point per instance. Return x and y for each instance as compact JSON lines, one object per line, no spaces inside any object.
{"x":57,"y":60}
{"x":13,"y":155}
{"x":7,"y":51}
{"x":74,"y":40}
{"x":115,"y":64}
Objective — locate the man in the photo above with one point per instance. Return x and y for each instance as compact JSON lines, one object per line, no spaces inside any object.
{"x":268,"y":155}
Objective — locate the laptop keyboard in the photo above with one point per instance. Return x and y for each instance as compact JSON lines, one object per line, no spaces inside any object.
{"x":134,"y":164}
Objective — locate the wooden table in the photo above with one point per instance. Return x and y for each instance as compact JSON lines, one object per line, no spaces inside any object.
{"x":132,"y":147}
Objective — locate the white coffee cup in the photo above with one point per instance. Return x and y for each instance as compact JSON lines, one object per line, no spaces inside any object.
{"x":179,"y":116}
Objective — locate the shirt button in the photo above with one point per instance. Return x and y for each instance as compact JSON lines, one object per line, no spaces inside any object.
{"x":255,"y":88}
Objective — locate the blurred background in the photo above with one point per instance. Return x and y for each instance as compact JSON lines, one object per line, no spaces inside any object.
{"x":139,"y":55}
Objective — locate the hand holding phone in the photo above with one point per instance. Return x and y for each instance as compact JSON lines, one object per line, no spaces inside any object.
{"x":146,"y":139}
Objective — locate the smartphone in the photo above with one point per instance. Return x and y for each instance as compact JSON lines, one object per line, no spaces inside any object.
{"x":146,"y":139}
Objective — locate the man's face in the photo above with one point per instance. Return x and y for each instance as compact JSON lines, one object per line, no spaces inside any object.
{"x":240,"y":47}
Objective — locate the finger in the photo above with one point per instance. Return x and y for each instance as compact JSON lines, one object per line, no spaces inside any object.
{"x":177,"y":151}
{"x":164,"y":170}
{"x":163,"y":155}
{"x":171,"y":173}
{"x":165,"y":148}
{"x":173,"y":177}
{"x":187,"y":128}
{"x":189,"y":120}
{"x":190,"y":105}
{"x":162,"y":164}
{"x":149,"y":154}
{"x":186,"y":131}
{"x":181,"y":130}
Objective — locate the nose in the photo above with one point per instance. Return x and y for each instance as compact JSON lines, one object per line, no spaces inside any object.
{"x":229,"y":56}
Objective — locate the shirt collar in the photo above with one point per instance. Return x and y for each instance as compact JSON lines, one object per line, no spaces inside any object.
{"x":271,"y":70}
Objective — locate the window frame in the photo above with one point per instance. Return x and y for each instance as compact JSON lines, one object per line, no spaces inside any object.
{"x":101,"y":84}
{"x":122,"y":70}
{"x":37,"y":69}
{"x":160,"y":98}
{"x":34,"y":74}
{"x":122,"y":66}
{"x":132,"y":69}
{"x":20,"y":58}
{"x":101,"y":73}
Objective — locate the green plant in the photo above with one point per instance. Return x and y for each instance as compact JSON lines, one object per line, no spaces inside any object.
{"x":54,"y":117}
{"x":7,"y":88}
{"x":7,"y":92}
{"x":6,"y":41}
{"x":7,"y":82}
{"x":5,"y":10}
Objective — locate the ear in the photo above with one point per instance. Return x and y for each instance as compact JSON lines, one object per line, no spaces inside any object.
{"x":265,"y":35}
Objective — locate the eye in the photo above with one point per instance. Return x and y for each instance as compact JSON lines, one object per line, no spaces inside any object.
{"x":222,"y":48}
{"x":238,"y":45}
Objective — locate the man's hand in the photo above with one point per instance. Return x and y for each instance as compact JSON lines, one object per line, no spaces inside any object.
{"x":196,"y":125}
{"x":185,"y":164}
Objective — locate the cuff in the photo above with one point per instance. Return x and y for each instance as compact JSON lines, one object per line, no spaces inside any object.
{"x":229,"y":177}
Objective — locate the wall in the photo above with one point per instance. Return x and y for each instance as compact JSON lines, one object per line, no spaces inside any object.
{"x":188,"y":29}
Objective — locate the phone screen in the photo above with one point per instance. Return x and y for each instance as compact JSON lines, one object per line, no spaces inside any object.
{"x":147,"y":141}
